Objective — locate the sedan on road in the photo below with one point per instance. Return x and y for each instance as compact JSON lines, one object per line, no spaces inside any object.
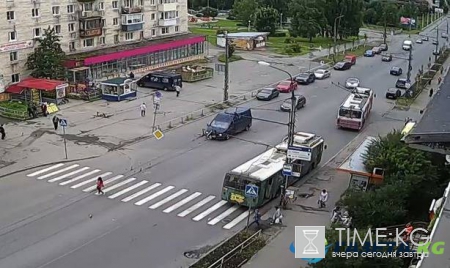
{"x":436,"y":52}
{"x":342,"y":65}
{"x":402,"y":83}
{"x":386,"y":57}
{"x":444,"y":35}
{"x":287,"y":86}
{"x":425,"y":38}
{"x":369,"y":53}
{"x":384,"y":47}
{"x":393,"y":93}
{"x":396,"y":71}
{"x":435,"y":42}
{"x":305,"y":78}
{"x":419,"y":41}
{"x":267,"y":94}
{"x":352,"y":82}
{"x":322,"y":74}
{"x":300,"y":102}
{"x":376,"y":50}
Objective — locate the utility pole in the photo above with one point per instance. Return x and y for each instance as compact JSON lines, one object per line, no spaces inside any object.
{"x":437,"y":42}
{"x":226,"y":82}
{"x":335,"y":36}
{"x":385,"y":33}
{"x":281,"y":20}
{"x":408,"y":74}
{"x":447,"y":27}
{"x":410,"y":17}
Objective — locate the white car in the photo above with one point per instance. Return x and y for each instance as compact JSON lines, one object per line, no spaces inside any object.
{"x":322,"y":74}
{"x":419,"y":41}
{"x":352,"y":82}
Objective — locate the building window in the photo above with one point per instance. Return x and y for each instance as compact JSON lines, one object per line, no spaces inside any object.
{"x":10,"y":15}
{"x":177,"y":28}
{"x":164,"y":30}
{"x":152,"y":2}
{"x":15,"y":78}
{"x":141,"y":2}
{"x":132,"y":19}
{"x":167,"y":15}
{"x":35,"y":12}
{"x":129,"y":3}
{"x":128,"y":36}
{"x":71,"y":27}
{"x":153,"y":32}
{"x":13,"y":56}
{"x":141,"y":35}
{"x":12,"y":36}
{"x":55,"y":11}
{"x":88,"y":7}
{"x":70,"y":9}
{"x":176,"y":14}
{"x":116,"y":21}
{"x":88,"y":42}
{"x":115,"y":5}
{"x":101,"y":6}
{"x":37,"y":32}
{"x":57,"y":29}
{"x":101,"y":40}
{"x":72,"y":46}
{"x":116,"y":38}
{"x":153,"y":16}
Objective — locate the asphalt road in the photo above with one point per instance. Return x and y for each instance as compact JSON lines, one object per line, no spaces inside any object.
{"x":44,"y":224}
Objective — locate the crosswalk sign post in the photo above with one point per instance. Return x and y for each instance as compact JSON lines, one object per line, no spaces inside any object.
{"x":251,"y":191}
{"x":63,"y":124}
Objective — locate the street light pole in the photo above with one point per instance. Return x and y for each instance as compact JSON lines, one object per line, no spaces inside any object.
{"x":335,"y":36}
{"x":408,"y":74}
{"x":437,"y":43}
{"x":226,"y":82}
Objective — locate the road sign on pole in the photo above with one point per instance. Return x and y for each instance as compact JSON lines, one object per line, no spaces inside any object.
{"x":158,"y":134}
{"x":287,"y":170}
{"x":63,"y":124}
{"x":251,"y":190}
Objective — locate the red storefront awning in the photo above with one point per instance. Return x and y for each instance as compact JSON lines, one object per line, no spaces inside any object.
{"x":35,"y":83}
{"x":14,"y":89}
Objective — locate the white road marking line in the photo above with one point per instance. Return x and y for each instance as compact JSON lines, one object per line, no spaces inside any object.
{"x":93,"y":187}
{"x":68,"y":174}
{"x":122,"y":183}
{"x":91,"y":180}
{"x":182,"y":202}
{"x":153,"y":196}
{"x":167,"y":199}
{"x":237,"y":220}
{"x":57,"y":172}
{"x":141,"y":192}
{"x":196,"y":206}
{"x":209,"y":210}
{"x":80,"y":177}
{"x":126,"y":190}
{"x":45,"y":170}
{"x":223,"y":215}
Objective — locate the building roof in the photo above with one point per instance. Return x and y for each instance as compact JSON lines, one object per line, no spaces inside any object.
{"x":115,"y":81}
{"x":248,"y":35}
{"x":35,"y":83}
{"x":355,"y":163}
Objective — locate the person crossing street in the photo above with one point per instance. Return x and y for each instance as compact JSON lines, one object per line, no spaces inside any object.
{"x":143,"y":109}
{"x":100,"y":185}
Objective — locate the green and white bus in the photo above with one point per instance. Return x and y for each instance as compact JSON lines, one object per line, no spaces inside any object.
{"x":265,"y":171}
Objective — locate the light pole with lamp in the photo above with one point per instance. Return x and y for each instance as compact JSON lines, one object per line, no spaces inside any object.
{"x":335,"y":36}
{"x":291,"y":124}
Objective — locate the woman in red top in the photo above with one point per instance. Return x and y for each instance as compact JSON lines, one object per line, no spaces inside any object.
{"x":100,"y":185}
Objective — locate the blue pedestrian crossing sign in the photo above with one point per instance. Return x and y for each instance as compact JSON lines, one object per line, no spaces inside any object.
{"x":251,"y":190}
{"x":63,"y":122}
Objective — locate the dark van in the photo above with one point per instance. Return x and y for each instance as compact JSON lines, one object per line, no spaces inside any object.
{"x":160,"y":80}
{"x":229,"y":123}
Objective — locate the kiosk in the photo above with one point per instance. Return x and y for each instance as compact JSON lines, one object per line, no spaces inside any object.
{"x":118,"y":89}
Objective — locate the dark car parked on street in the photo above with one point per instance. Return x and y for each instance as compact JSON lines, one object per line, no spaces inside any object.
{"x":267,"y":94}
{"x":300,"y":102}
{"x":342,"y":65}
{"x":393,"y":93}
{"x":305,"y":78}
{"x":384,"y":47}
{"x":386,"y":57}
{"x":396,"y":71}
{"x":401,"y":83}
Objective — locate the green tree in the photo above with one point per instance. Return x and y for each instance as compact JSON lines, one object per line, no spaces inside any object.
{"x":47,"y":59}
{"x":265,"y":19}
{"x":351,"y":20}
{"x":244,"y":10}
{"x":209,"y":12}
{"x":389,"y":14}
{"x":307,"y":18}
{"x":279,"y":5}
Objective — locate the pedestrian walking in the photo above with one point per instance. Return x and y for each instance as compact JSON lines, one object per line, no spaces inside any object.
{"x":439,"y":80}
{"x":256,"y":217}
{"x":44,"y":109}
{"x":323,"y":198}
{"x":143,"y":109}
{"x":431,"y":92}
{"x":55,"y":121}
{"x":100,"y":185}
{"x":2,"y":131}
{"x":178,"y":89}
{"x":131,"y":75}
{"x":277,"y":216}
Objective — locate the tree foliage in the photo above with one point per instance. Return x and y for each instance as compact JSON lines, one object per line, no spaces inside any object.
{"x":307,"y":18}
{"x":219,"y":4}
{"x":265,"y":19}
{"x":47,"y":60}
{"x":244,"y":10}
{"x":209,"y":12}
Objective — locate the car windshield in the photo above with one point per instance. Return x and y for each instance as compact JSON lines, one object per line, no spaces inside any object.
{"x":288,"y":101}
{"x":220,"y":124}
{"x":285,"y":83}
{"x":395,"y":68}
{"x":369,"y":51}
{"x":303,"y":75}
{"x":352,"y":80}
{"x":265,"y":91}
{"x":401,"y":82}
{"x":344,"y":112}
{"x":320,"y":71}
{"x":339,"y":64}
{"x":392,"y":90}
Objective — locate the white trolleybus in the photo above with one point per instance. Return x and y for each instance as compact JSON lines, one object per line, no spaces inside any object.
{"x":265,"y":170}
{"x":355,"y":110}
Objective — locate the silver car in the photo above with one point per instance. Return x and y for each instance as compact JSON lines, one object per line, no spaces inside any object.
{"x":322,"y":74}
{"x":352,"y":82}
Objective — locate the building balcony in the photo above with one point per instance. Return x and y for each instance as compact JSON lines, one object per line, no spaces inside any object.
{"x":167,"y":7}
{"x":131,"y":10}
{"x":167,"y":22}
{"x":90,"y":27}
{"x":132,"y":27}
{"x":89,"y":14}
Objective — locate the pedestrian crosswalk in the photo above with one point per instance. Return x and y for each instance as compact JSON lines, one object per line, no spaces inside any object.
{"x":183,"y":202}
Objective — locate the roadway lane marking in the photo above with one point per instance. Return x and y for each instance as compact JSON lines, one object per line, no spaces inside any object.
{"x":196,"y":206}
{"x":57,"y":172}
{"x":45,"y":170}
{"x":126,"y":190}
{"x":68,"y":174}
{"x":237,"y":220}
{"x":209,"y":210}
{"x":90,"y":180}
{"x":80,"y":177}
{"x":223,"y":215}
{"x":93,"y":187}
{"x":182,"y":202}
{"x":141,"y":192}
{"x":167,"y":199}
{"x":153,"y":196}
{"x":122,"y":183}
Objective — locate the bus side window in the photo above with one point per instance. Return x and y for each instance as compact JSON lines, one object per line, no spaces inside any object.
{"x":165,"y":80}
{"x":269,"y":188}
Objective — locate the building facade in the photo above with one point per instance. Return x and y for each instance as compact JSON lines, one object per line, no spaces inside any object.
{"x":91,"y":30}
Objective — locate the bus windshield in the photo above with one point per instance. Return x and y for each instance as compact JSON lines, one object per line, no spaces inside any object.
{"x":238,"y":182}
{"x":350,"y":113}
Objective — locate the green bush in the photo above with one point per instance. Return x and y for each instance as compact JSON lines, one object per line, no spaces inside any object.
{"x":278,"y":34}
{"x":289,"y":40}
{"x":296,"y":47}
{"x":220,"y":31}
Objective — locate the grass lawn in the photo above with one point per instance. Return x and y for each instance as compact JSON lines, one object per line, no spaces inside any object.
{"x":357,"y":52}
{"x":14,"y":105}
{"x":279,"y":45}
{"x":231,"y":59}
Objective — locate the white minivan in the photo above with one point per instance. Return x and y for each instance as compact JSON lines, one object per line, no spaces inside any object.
{"x":407,"y":45}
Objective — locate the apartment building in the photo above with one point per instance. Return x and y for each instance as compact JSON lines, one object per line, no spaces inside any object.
{"x":100,"y":37}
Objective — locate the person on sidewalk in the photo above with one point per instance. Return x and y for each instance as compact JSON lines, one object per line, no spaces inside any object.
{"x":2,"y":131}
{"x":44,"y":109}
{"x":439,"y":80}
{"x":431,"y":92}
{"x":143,"y":109}
{"x":277,"y":217}
{"x":131,"y":75}
{"x":55,"y":121}
{"x":323,"y":198}
{"x":178,"y":89}
{"x":256,"y":218}
{"x":100,"y":186}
